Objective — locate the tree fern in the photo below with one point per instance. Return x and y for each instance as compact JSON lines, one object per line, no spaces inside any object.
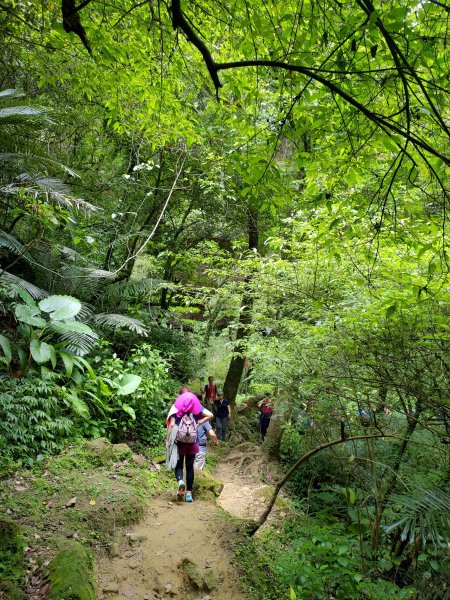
{"x":13,"y":281}
{"x":426,"y":512}
{"x":12,"y":244}
{"x":116,"y":321}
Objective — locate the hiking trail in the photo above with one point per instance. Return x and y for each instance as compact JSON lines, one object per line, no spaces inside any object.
{"x":183,"y":550}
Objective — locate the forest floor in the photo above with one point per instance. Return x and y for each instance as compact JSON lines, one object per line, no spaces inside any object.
{"x":183,"y":550}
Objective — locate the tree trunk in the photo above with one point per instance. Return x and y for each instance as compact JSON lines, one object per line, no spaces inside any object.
{"x":236,"y":368}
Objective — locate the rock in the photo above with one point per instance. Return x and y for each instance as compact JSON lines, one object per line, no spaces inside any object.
{"x":133,"y":564}
{"x":198,"y":581}
{"x":137,"y":537}
{"x":210,"y":581}
{"x":204,"y":482}
{"x":111,"y":587}
{"x":122,"y":450}
{"x":115,"y":549}
{"x":140,"y":460}
{"x":70,"y":502}
{"x":72,"y":572}
{"x":101,"y":448}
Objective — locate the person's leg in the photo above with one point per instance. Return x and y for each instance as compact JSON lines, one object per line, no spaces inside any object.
{"x":219,"y":428}
{"x":265,"y":421}
{"x":190,"y":458}
{"x":224,"y":428}
{"x":200,"y":458}
{"x":180,"y":480}
{"x":179,"y":469}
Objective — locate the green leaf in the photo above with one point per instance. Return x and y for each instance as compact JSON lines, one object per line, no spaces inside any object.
{"x":72,"y":326}
{"x":129,"y":410}
{"x":22,"y":358}
{"x":68,"y":362}
{"x":390,"y":311}
{"x":60,"y":307}
{"x":24,"y":295}
{"x":127,"y":384}
{"x":6,"y":347}
{"x":29,"y":315}
{"x":78,"y":406}
{"x":40,"y":351}
{"x":292,"y":594}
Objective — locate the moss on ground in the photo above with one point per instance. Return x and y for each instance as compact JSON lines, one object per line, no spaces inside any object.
{"x":72,"y":573}
{"x":76,"y":495}
{"x":11,"y":559}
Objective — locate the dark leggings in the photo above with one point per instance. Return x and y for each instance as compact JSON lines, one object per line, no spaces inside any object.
{"x":189,"y":470}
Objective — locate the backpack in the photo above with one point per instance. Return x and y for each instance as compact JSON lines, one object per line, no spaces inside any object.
{"x":187,"y":429}
{"x":266,"y":407}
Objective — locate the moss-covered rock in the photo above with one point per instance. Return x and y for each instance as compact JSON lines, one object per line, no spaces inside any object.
{"x":205,"y":485}
{"x":272,"y":441}
{"x":101,"y":448}
{"x":12,"y":566}
{"x":198,"y":580}
{"x":72,"y":573}
{"x":9,"y":536}
{"x":122,"y":451}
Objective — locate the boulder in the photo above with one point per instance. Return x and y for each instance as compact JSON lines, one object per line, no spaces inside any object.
{"x":101,"y":448}
{"x":122,"y":451}
{"x":197,"y":579}
{"x":139,"y":460}
{"x":205,"y":484}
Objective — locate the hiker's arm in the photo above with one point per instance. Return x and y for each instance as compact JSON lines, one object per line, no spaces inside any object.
{"x":213,"y":436}
{"x":229,"y":412}
{"x":206,"y":416}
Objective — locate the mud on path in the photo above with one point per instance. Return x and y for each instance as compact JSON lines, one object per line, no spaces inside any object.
{"x":148,"y":561}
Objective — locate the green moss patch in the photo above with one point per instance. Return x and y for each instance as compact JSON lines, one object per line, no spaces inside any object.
{"x":72,"y":573}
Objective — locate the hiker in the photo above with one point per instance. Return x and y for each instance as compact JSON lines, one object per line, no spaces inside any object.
{"x":222,"y":412}
{"x":203,"y":432}
{"x":210,"y":393}
{"x":265,"y":407}
{"x":182,"y":432}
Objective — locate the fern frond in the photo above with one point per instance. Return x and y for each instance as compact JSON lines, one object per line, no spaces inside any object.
{"x":425,"y":512}
{"x":78,"y":343}
{"x":54,"y":190}
{"x":13,"y":115}
{"x":116,"y":321}
{"x":11,"y":93}
{"x":135,"y":288}
{"x":12,"y":280}
{"x":9,"y":241}
{"x":38,"y":161}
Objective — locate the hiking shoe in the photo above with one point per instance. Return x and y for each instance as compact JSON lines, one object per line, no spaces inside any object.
{"x":181,"y":488}
{"x":188,"y":496}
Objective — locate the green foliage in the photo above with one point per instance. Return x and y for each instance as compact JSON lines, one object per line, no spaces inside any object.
{"x":311,"y":560}
{"x":128,"y":398}
{"x":33,"y":422}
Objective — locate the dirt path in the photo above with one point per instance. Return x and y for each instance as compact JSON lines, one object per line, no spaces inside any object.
{"x":149,"y":559}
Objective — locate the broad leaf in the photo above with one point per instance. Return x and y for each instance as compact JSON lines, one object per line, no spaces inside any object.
{"x":29,"y":315}
{"x":5,"y":345}
{"x":127,"y":384}
{"x":129,"y":410}
{"x":40,"y":351}
{"x":60,"y":307}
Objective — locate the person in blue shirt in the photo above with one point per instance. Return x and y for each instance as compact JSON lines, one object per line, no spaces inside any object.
{"x":203,"y":432}
{"x":223,"y":415}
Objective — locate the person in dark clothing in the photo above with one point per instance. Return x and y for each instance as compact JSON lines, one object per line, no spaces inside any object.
{"x":222,"y":411}
{"x":265,"y":408}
